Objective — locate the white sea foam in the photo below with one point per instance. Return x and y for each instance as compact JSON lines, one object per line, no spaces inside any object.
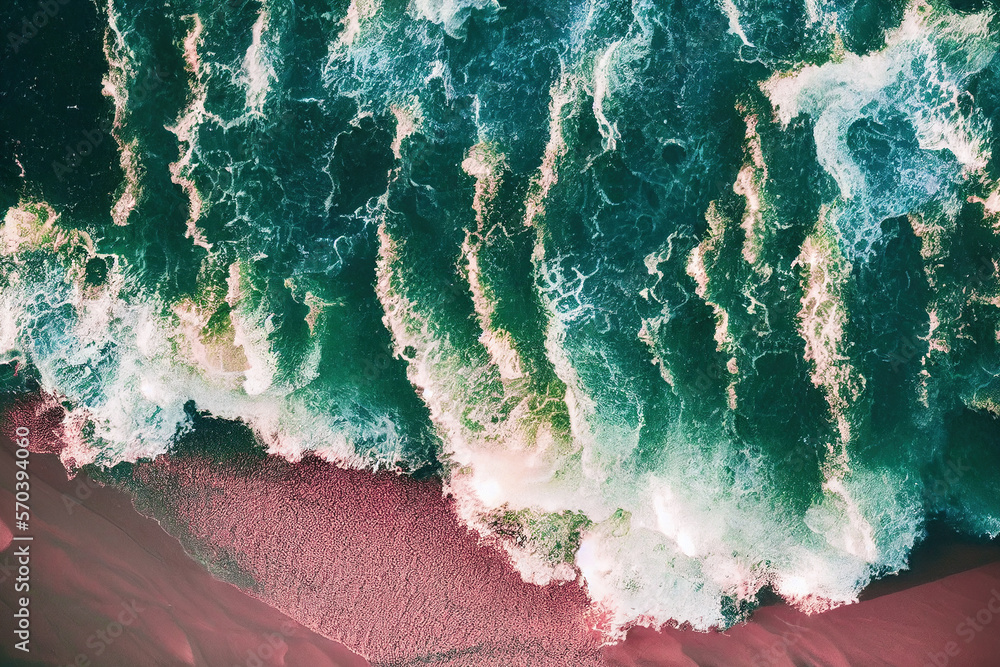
{"x":919,"y":75}
{"x":452,"y":14}
{"x":258,"y":68}
{"x":691,"y":536}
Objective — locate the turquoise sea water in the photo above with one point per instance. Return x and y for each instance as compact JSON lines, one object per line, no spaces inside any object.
{"x":684,"y":299}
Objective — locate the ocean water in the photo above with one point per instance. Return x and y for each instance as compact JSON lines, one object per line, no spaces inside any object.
{"x":685,"y":301}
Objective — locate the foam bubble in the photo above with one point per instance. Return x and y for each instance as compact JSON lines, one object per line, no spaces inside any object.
{"x":452,"y":14}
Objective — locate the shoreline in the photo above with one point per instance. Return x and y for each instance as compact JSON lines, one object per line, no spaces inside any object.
{"x":93,"y":555}
{"x":365,"y":561}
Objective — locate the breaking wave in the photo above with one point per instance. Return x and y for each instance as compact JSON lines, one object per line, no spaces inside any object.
{"x":683,"y":303}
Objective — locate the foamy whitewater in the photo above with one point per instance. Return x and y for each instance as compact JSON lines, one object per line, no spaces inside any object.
{"x":683,"y":300}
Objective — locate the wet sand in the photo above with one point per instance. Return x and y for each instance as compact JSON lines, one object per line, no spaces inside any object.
{"x":380,"y":564}
{"x":95,"y":561}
